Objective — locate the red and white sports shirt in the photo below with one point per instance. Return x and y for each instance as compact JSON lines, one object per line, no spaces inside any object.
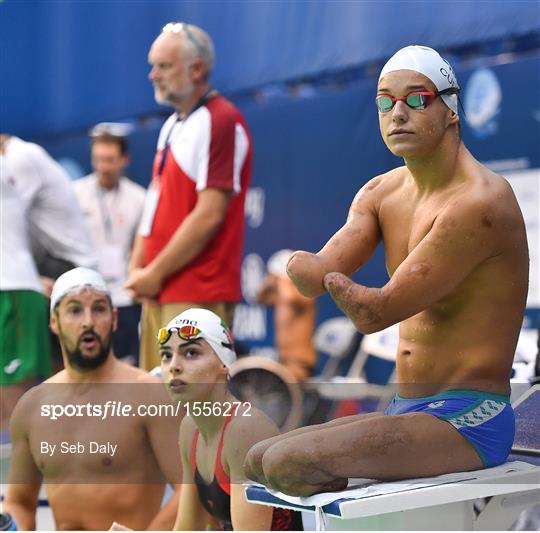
{"x":211,"y":148}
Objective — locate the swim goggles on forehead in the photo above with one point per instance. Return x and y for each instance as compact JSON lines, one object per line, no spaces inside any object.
{"x":415,"y":99}
{"x":177,"y":27}
{"x":187,"y":333}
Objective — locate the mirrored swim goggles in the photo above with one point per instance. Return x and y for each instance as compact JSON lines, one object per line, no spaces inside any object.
{"x":188,"y":333}
{"x":415,"y":100}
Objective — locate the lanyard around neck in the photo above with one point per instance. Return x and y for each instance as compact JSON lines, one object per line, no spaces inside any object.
{"x":165,"y":152}
{"x":105,"y":211}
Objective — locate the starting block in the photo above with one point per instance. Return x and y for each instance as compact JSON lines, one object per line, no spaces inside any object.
{"x":447,"y":502}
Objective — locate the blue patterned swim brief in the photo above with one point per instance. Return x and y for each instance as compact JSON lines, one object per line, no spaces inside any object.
{"x":486,"y":420}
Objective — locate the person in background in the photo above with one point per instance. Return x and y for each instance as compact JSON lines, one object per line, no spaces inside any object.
{"x":112,"y":205}
{"x":24,"y":346}
{"x":294,"y":317}
{"x":189,"y":248}
{"x":58,"y":235}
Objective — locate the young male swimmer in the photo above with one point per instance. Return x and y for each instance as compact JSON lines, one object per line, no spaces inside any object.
{"x":456,"y":252}
{"x":196,"y":350}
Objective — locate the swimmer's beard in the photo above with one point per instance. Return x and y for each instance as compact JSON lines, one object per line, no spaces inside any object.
{"x":78,"y":361}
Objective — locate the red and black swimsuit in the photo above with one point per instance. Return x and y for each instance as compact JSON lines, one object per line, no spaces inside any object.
{"x":216,"y":496}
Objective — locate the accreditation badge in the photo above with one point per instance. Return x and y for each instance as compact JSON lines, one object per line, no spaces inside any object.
{"x":149,"y":210}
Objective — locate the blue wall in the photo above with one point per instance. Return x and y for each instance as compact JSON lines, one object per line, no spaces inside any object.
{"x":69,"y":64}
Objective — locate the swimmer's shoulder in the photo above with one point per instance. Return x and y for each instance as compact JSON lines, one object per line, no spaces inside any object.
{"x":59,"y":377}
{"x":142,"y":376}
{"x":120,"y":372}
{"x":382,"y":188}
{"x":501,"y":215}
{"x":488,"y":195}
{"x":485,"y":208}
{"x":124,"y":373}
{"x":26,"y":413}
{"x":496,"y":190}
{"x":241,"y":434}
{"x":249,"y":426}
{"x":43,"y":391}
{"x":143,"y":388}
{"x":382,"y":185}
{"x":392,"y":178}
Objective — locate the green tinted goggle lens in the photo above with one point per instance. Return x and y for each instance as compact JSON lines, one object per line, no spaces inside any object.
{"x":384,"y":103}
{"x":414,"y":101}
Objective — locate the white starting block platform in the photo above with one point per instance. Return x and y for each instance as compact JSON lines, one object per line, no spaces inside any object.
{"x":444,"y":502}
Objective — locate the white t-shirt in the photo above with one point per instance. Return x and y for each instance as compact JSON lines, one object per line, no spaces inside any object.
{"x":112,"y":217}
{"x":54,"y":218}
{"x":17,"y":268}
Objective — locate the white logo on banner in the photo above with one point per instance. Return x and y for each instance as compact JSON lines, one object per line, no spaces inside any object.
{"x":252,"y":276}
{"x":250,"y":319}
{"x":249,"y":322}
{"x":483,"y":97}
{"x":254,"y":209}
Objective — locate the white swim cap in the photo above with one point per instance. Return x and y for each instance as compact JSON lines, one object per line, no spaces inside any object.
{"x":428,"y":62}
{"x":77,"y":278}
{"x":199,"y":323}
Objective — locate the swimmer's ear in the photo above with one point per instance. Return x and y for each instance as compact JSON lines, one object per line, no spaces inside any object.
{"x":53,"y":323}
{"x":453,"y":118}
{"x":224,"y":371}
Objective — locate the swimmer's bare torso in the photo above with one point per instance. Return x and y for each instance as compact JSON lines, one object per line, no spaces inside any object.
{"x":100,"y":470}
{"x":456,"y":253}
{"x":458,"y":261}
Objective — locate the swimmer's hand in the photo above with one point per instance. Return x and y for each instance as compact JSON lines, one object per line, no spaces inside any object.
{"x":307,"y":273}
{"x":119,"y":527}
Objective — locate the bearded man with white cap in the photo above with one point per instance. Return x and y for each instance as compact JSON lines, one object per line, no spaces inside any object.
{"x":86,"y":432}
{"x":456,"y":253}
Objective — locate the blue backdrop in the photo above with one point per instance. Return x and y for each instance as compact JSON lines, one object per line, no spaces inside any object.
{"x":68,"y":64}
